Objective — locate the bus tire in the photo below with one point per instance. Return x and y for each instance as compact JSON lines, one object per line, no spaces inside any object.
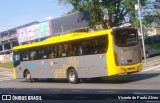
{"x":147,"y":54}
{"x":72,"y":76}
{"x":28,"y":76}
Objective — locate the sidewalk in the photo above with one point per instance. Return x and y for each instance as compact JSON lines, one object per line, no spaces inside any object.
{"x":6,"y":72}
{"x":152,"y":63}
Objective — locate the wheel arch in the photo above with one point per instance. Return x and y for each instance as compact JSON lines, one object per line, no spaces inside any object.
{"x":25,"y":72}
{"x":71,"y":67}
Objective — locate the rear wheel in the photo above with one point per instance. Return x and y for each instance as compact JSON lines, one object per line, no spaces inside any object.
{"x":147,"y":54}
{"x":28,"y":76}
{"x":72,"y":76}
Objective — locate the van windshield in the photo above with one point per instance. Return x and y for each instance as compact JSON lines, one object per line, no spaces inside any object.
{"x":126,"y":37}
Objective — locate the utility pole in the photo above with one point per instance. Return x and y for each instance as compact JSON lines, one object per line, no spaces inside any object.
{"x":138,"y":7}
{"x":62,"y":29}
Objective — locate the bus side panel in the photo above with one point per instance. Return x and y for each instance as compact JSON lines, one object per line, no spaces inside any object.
{"x":95,"y":66}
{"x":37,"y":68}
{"x":18,"y":71}
{"x":63,"y":64}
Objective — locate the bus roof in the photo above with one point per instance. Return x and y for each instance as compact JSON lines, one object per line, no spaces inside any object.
{"x":63,"y":38}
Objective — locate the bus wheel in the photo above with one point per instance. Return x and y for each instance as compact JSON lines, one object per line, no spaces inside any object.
{"x":28,"y":76}
{"x":147,"y":55}
{"x":72,"y":76}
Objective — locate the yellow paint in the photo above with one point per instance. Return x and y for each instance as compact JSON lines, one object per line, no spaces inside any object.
{"x":112,"y":68}
{"x":63,"y":38}
{"x":14,"y":73}
{"x":61,"y":72}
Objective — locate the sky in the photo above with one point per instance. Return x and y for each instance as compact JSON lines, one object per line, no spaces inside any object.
{"x":14,"y":13}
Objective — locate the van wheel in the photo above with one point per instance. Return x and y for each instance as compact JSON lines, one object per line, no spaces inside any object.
{"x":147,"y":55}
{"x":72,"y":76}
{"x":28,"y":76}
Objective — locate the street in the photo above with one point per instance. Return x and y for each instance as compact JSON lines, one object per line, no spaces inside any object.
{"x":145,"y":82}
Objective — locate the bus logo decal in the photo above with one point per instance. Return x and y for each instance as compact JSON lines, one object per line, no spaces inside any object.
{"x":102,"y":62}
{"x":42,"y":65}
{"x":31,"y":65}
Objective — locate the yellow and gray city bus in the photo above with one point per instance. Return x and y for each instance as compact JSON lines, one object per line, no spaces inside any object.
{"x":80,"y":55}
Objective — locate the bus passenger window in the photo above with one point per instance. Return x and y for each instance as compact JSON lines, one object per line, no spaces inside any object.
{"x":52,"y":54}
{"x":60,"y":51}
{"x":16,"y":56}
{"x":96,"y":50}
{"x":24,"y":55}
{"x":33,"y":55}
{"x":80,"y":51}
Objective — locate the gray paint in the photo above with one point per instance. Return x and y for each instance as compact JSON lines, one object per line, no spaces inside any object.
{"x":87,"y":66}
{"x":127,"y":55}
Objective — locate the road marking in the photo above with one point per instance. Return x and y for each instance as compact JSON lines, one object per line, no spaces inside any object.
{"x":157,"y":69}
{"x":6,"y":78}
{"x":106,"y":91}
{"x":151,"y":68}
{"x":35,"y":89}
{"x":55,"y":90}
{"x":144,"y":93}
{"x":153,"y":101}
{"x":157,"y":60}
{"x":77,"y":90}
{"x":81,"y":97}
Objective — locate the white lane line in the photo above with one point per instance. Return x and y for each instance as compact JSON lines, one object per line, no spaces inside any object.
{"x":144,"y":93}
{"x":77,"y":90}
{"x":152,"y":101}
{"x":55,"y":90}
{"x":157,"y":60}
{"x":106,"y":91}
{"x":81,"y":97}
{"x":157,"y":69}
{"x":5,"y":78}
{"x":151,"y":68}
{"x":35,"y":89}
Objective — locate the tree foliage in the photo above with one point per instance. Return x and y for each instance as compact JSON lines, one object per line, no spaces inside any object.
{"x":115,"y":11}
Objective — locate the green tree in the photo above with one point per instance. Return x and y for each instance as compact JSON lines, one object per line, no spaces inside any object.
{"x":115,"y":11}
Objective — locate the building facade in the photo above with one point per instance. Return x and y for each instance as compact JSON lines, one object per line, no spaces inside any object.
{"x":38,"y":31}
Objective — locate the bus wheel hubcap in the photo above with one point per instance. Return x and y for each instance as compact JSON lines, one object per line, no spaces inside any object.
{"x":72,"y":76}
{"x":28,"y":76}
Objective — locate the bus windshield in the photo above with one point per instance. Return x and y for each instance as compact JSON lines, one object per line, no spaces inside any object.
{"x":124,"y":38}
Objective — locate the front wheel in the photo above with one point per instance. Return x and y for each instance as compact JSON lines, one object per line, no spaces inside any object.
{"x":28,"y":76}
{"x":72,"y":76}
{"x":147,"y":55}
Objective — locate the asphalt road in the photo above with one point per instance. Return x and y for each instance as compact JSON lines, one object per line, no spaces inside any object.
{"x":111,"y":89}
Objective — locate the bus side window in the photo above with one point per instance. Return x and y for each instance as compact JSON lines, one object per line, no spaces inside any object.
{"x":157,"y":40}
{"x":53,"y":51}
{"x":16,"y":56}
{"x":148,"y":41}
{"x":42,"y":53}
{"x":52,"y":54}
{"x":60,"y":50}
{"x":24,"y":55}
{"x":33,"y":55}
{"x":103,"y":44}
